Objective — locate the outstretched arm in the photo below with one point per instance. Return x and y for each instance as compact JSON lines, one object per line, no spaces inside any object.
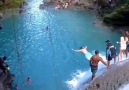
{"x":77,"y":50}
{"x":80,"y":50}
{"x":118,"y":42}
{"x":104,"y":62}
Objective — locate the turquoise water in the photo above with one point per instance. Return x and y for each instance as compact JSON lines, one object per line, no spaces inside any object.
{"x":45,"y":55}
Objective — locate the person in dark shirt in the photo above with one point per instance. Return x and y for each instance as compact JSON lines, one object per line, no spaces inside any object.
{"x":20,"y":8}
{"x":110,"y":52}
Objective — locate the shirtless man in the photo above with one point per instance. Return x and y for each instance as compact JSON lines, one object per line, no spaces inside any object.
{"x":85,"y":52}
{"x":94,"y":60}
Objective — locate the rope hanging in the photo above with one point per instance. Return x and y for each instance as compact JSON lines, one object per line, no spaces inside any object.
{"x":54,"y":63}
{"x":1,"y":16}
{"x":15,"y":38}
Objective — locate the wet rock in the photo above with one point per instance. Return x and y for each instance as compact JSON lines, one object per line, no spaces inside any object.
{"x":110,"y":79}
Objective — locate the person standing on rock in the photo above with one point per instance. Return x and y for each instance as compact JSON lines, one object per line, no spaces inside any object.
{"x":21,"y":8}
{"x":122,"y":43}
{"x":94,"y":60}
{"x":110,"y":52}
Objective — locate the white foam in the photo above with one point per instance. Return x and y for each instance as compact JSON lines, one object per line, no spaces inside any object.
{"x":124,"y":87}
{"x":77,"y":79}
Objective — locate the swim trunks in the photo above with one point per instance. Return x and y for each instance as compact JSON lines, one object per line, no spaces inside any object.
{"x":109,"y":58}
{"x":88,"y":55}
{"x":94,"y":69}
{"x":123,"y":46}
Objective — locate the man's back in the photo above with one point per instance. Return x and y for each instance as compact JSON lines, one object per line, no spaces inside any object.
{"x":95,"y":59}
{"x":94,"y":63}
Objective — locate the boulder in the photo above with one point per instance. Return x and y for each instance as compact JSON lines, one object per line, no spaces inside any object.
{"x":119,"y":17}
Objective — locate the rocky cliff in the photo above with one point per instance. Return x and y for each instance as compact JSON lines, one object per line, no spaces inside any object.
{"x":119,"y":16}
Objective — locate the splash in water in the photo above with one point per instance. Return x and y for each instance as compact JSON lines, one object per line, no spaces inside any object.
{"x":124,"y":87}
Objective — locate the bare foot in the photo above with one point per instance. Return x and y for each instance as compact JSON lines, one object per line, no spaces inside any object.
{"x":108,"y":67}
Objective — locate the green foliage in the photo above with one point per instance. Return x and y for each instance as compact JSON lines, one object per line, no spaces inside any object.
{"x":120,"y":16}
{"x":11,"y":4}
{"x":127,"y":1}
{"x":118,"y":13}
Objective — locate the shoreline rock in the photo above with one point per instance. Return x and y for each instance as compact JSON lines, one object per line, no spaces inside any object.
{"x":6,"y":81}
{"x":83,"y":3}
{"x":110,"y":79}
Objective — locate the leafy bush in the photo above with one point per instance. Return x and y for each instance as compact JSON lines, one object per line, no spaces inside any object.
{"x":11,"y":4}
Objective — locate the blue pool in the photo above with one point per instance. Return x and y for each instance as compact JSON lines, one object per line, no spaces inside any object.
{"x":45,"y":53}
